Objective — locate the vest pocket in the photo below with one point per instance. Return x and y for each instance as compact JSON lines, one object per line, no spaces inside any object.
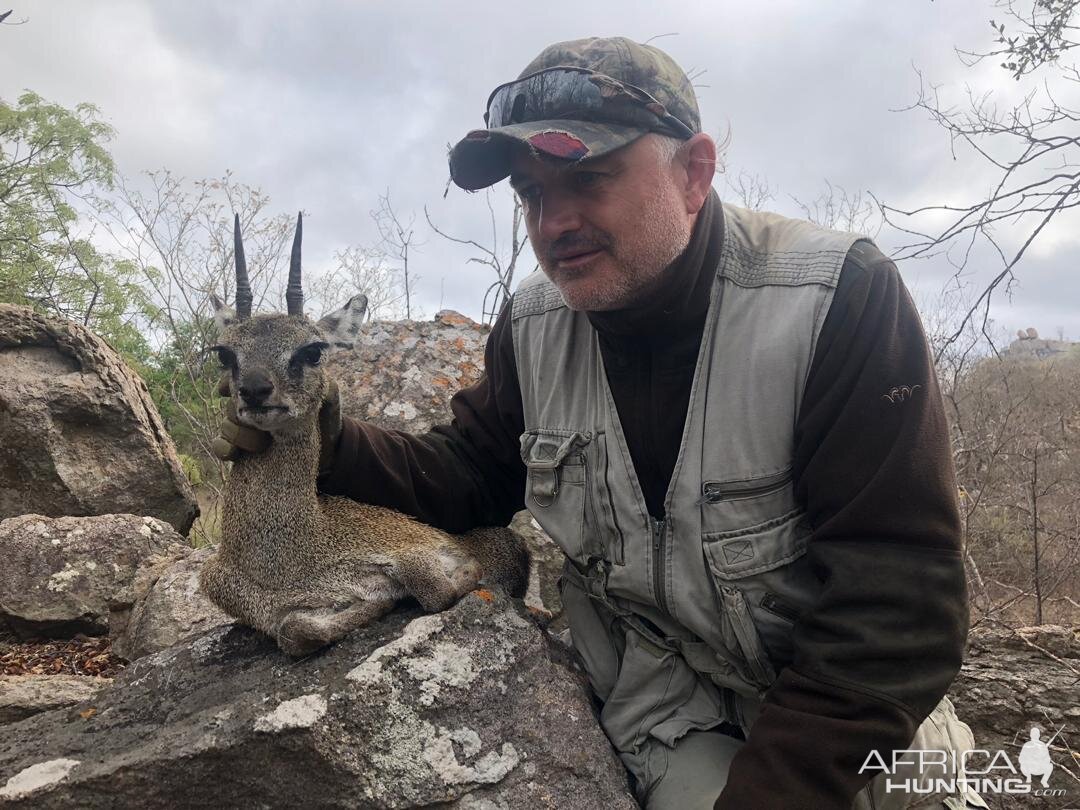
{"x":762,"y":584}
{"x":745,"y":501}
{"x":717,"y":491}
{"x":556,"y":484}
{"x":741,"y":553}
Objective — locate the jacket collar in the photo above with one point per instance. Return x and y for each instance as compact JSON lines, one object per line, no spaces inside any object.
{"x":678,"y":309}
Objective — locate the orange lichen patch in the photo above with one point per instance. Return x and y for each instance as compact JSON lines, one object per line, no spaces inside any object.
{"x":86,"y":714}
{"x":452,"y":318}
{"x":459,"y":344}
{"x":470,"y":374}
{"x":485,"y":594}
{"x":442,"y":381}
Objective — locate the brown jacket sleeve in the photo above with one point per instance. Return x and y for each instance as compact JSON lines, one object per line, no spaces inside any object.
{"x":456,"y":477}
{"x":874,"y":469}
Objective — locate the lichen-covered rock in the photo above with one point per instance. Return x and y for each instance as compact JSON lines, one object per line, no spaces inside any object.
{"x":64,"y":575}
{"x":402,"y":374}
{"x":470,"y":708}
{"x":168,"y":608}
{"x":24,"y":695}
{"x":79,"y":434}
{"x":1012,"y":680}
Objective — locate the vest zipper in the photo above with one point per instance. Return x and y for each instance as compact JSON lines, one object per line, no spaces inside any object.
{"x":658,"y":538}
{"x":716,"y":491}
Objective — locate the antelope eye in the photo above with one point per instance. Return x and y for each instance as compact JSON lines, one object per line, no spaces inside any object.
{"x":225,"y":356}
{"x":309,"y":355}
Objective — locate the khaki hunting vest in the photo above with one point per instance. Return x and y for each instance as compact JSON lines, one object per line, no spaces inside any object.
{"x":724,"y":574}
{"x":684,"y":623}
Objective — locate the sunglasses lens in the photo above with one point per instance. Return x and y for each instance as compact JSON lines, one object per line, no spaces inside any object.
{"x":574,"y":95}
{"x":549,"y":95}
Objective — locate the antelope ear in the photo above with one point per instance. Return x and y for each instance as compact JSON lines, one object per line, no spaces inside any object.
{"x":342,"y":325}
{"x":223,"y":315}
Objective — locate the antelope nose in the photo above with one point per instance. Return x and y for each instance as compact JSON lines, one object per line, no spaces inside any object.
{"x":255,"y":388}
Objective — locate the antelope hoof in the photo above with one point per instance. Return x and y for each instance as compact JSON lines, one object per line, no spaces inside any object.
{"x":297,"y":637}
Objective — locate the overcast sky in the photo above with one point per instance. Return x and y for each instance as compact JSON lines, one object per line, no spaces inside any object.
{"x":326,"y":104}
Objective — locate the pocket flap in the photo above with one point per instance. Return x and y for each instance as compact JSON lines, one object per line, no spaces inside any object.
{"x":547,"y":449}
{"x":762,"y":547}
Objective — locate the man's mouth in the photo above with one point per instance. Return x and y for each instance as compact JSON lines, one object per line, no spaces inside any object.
{"x":569,"y":260}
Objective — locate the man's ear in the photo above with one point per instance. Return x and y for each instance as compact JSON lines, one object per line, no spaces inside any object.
{"x":342,"y":325}
{"x":699,"y":157}
{"x":223,"y":315}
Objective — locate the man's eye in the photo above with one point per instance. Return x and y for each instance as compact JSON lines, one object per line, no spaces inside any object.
{"x":529,"y":194}
{"x":587,"y":179}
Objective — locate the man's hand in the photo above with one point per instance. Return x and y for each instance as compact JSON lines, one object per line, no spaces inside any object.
{"x":329,"y":426}
{"x":234,"y":439}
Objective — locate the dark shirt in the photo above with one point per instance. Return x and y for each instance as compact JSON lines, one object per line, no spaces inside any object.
{"x":873,"y":468}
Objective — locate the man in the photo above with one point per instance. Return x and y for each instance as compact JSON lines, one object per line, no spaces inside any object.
{"x":730,"y":423}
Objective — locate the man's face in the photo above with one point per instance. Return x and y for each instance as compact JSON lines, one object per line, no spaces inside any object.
{"x":605,"y":229}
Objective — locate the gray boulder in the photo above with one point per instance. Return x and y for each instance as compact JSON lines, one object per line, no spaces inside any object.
{"x":65,"y":575}
{"x":1012,"y":680}
{"x":79,"y":434}
{"x":24,"y":695}
{"x":168,"y":608}
{"x":402,"y":374}
{"x":470,"y":708}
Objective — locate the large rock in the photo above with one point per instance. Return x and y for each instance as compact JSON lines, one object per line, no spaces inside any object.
{"x":465,"y":709}
{"x":402,"y":374}
{"x":1015,"y":679}
{"x":22,"y":696}
{"x":168,"y":608}
{"x":65,"y":575}
{"x":79,"y":434}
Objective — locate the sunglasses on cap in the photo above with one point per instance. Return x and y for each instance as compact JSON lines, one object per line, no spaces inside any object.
{"x":573,"y":93}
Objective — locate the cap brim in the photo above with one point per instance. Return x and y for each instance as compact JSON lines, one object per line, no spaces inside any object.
{"x":483,"y":156}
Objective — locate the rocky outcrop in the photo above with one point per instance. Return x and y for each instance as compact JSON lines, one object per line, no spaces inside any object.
{"x":1015,"y":679}
{"x":65,"y":575}
{"x":22,"y":696}
{"x":79,"y":434}
{"x":402,"y":374}
{"x":470,"y":708}
{"x":168,"y":608}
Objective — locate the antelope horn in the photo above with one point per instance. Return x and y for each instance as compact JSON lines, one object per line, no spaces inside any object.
{"x":243,"y":288}
{"x":294,"y":293}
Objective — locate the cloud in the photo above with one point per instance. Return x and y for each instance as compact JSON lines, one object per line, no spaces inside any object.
{"x":327,"y":104}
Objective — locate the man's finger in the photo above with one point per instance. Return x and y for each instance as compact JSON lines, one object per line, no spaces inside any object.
{"x":245,"y":438}
{"x":221,"y":448}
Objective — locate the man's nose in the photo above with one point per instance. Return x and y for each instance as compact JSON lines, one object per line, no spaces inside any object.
{"x":559,"y":214}
{"x":255,"y":387}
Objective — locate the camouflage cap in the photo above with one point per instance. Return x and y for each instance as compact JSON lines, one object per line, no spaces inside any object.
{"x":482,"y":157}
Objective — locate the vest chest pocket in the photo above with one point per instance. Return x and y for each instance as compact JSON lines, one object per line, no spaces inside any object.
{"x":745,"y":501}
{"x":556,"y":486}
{"x":762,"y":582}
